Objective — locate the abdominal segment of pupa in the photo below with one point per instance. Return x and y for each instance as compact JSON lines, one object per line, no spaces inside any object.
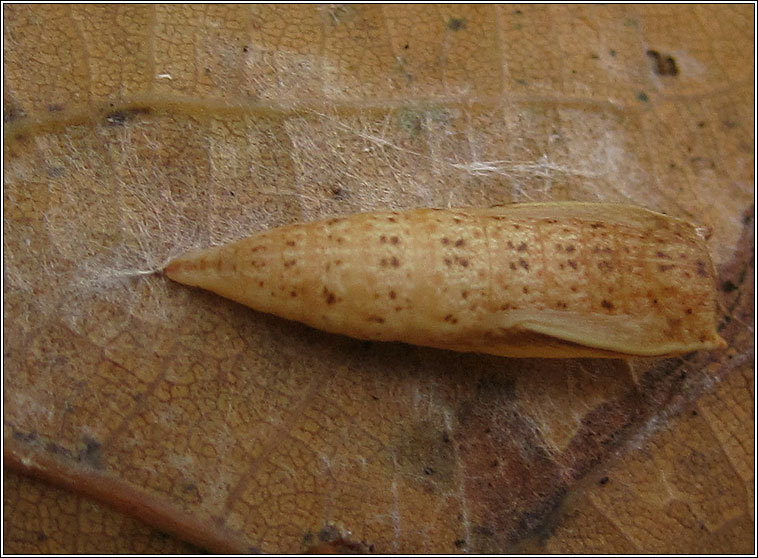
{"x":525,"y":280}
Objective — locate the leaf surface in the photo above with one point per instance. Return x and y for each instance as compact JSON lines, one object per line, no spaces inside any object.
{"x":134,"y":133}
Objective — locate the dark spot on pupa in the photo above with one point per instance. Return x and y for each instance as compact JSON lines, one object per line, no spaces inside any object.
{"x":663,"y":255}
{"x":522,"y":247}
{"x":603,"y":481}
{"x":445,"y":436}
{"x":570,"y":248}
{"x":459,"y":542}
{"x":572,"y":263}
{"x":607,"y":304}
{"x":393,"y":295}
{"x":512,"y":265}
{"x":597,"y":225}
{"x":445,"y":241}
{"x":391,"y":219}
{"x":523,"y":263}
{"x":428,"y":471}
{"x":463,"y":262}
{"x":451,"y":319}
{"x":664,"y":267}
{"x":448,"y":262}
{"x":464,"y":294}
{"x":394,"y":239}
{"x":605,"y":265}
{"x":260,"y":283}
{"x":383,"y":239}
{"x":701,"y":270}
{"x":289,"y":263}
{"x":293,"y":294}
{"x":525,"y":289}
{"x":510,"y":245}
{"x":383,"y":262}
{"x":375,"y":319}
{"x":395,"y":262}
{"x":329,"y":296}
{"x":460,"y":242}
{"x":688,"y":311}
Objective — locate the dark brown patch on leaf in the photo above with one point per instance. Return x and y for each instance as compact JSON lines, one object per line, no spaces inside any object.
{"x":663,"y":64}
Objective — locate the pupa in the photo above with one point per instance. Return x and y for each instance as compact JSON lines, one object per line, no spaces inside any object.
{"x":549,"y":280}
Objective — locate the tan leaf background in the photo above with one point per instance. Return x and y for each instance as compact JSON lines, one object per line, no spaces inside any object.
{"x":140,"y":415}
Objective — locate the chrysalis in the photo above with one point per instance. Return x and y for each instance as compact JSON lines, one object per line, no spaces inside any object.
{"x":527,"y":280}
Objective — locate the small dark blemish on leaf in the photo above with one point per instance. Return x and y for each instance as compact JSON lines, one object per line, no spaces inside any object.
{"x":603,"y":481}
{"x":728,"y":286}
{"x":456,"y":23}
{"x":91,"y":454}
{"x":120,"y":117}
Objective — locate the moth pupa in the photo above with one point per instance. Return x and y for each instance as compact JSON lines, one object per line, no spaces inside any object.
{"x":555,"y":280}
